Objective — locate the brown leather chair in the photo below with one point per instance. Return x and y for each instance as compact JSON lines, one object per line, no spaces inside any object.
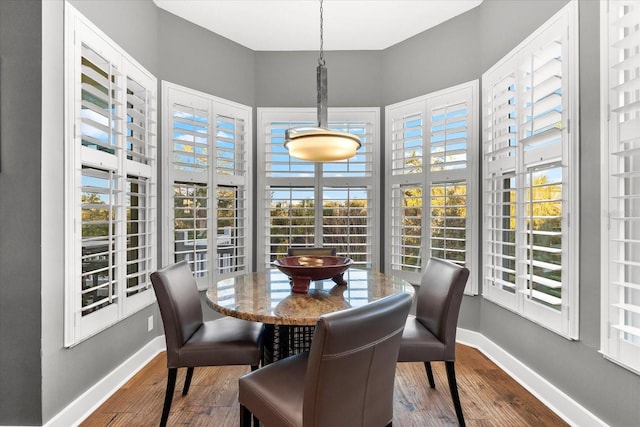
{"x":345,"y":379}
{"x":192,"y":342}
{"x":430,"y":335}
{"x":318,"y":251}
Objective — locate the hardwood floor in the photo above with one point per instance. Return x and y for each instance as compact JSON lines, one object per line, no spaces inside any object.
{"x":488,"y":395}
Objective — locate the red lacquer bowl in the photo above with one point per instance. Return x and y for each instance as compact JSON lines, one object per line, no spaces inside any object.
{"x":303,"y":269}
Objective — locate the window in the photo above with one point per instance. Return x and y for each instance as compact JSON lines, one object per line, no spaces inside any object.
{"x":318,"y":204}
{"x":530,"y":177}
{"x":110,"y":181}
{"x":620,"y":57}
{"x":206,"y":144}
{"x":431,"y":169}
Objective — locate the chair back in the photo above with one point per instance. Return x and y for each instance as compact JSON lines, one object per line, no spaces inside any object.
{"x":317,"y":251}
{"x":439,"y":300}
{"x":352,"y":364}
{"x":180,"y":309}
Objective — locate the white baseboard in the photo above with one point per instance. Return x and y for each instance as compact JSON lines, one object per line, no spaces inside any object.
{"x":560,"y":403}
{"x":89,"y":401}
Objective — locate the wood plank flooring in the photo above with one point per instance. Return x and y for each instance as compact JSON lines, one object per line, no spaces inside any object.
{"x":488,"y":395}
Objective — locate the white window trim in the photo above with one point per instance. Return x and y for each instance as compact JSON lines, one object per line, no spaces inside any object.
{"x":279,"y":114}
{"x":214,"y":104}
{"x":424,"y":179}
{"x":612,"y":346}
{"x":565,"y":322}
{"x":78,"y":328}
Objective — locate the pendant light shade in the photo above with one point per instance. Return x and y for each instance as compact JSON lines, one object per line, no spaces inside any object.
{"x":319,"y":144}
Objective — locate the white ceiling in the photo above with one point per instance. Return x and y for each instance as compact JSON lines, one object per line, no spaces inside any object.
{"x":282,"y":25}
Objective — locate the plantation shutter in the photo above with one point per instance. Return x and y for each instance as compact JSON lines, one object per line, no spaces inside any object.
{"x":621,"y":184}
{"x":499,"y":160}
{"x":111,"y":180}
{"x":206,"y":140}
{"x":530,"y":176}
{"x":231,"y":190}
{"x":543,"y":128}
{"x":140,"y":185}
{"x":317,"y":204}
{"x":190,"y":124}
{"x":101,"y":184}
{"x":346,"y":222}
{"x":431,"y":174}
{"x":407,"y":185}
{"x":451,"y":123}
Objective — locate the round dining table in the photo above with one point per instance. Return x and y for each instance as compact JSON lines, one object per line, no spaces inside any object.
{"x":289,"y":317}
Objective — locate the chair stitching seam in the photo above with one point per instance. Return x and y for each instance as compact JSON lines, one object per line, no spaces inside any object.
{"x":357,"y":349}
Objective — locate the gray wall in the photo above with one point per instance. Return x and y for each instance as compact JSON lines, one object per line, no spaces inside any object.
{"x":288,"y":79}
{"x":20,"y":301}
{"x":457,"y":51}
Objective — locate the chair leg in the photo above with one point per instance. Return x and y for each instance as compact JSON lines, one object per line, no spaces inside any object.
{"x":245,"y":417}
{"x":453,"y":388}
{"x":187,"y":381}
{"x":427,"y":367}
{"x":168,"y":397}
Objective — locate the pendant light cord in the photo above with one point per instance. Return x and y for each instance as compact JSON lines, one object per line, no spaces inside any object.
{"x":321,"y":59}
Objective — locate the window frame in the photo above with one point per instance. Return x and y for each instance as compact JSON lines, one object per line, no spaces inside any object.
{"x":127,"y":124}
{"x":240,"y":236}
{"x":369,"y":115}
{"x":510,"y":157}
{"x":422,"y":109}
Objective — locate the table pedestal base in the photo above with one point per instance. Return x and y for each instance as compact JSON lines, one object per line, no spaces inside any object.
{"x":280,"y":341}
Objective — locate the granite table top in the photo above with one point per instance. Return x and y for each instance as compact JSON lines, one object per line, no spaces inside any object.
{"x":266,"y":297}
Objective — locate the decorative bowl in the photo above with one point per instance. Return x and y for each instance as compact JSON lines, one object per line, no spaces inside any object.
{"x":303,"y":269}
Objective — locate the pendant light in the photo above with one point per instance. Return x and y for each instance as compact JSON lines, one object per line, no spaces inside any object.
{"x":319,"y":144}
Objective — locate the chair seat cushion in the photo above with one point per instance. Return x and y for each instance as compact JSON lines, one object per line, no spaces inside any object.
{"x":419,"y":344}
{"x":226,"y":341}
{"x":275,"y":392}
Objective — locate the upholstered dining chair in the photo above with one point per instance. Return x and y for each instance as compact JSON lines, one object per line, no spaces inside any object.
{"x":345,"y":379}
{"x":192,"y":342}
{"x":311,"y":250}
{"x":430,"y":335}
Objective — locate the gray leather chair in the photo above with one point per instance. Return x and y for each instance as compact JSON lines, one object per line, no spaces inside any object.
{"x":345,"y":379}
{"x":430,"y":335}
{"x":318,"y":251}
{"x":192,"y":342}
